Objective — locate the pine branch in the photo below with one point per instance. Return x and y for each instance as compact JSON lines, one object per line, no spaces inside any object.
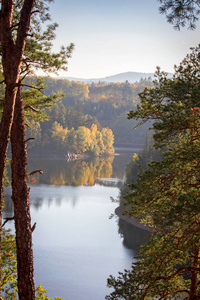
{"x":31,"y":138}
{"x":33,"y":227}
{"x":24,"y":76}
{"x":32,"y":87}
{"x":14,"y":26}
{"x":32,"y":108}
{"x":7,"y":219}
{"x":35,"y":11}
{"x":34,"y":172}
{"x":189,"y":268}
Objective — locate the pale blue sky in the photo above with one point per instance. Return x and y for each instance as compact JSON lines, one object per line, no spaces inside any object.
{"x":113,"y":36}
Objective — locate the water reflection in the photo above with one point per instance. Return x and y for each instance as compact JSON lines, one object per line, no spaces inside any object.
{"x":74,"y":173}
{"x":44,"y":195}
{"x":132,"y":236}
{"x":74,"y":236}
{"x":80,"y":172}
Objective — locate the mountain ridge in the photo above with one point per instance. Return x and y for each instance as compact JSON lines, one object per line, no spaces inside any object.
{"x":120,"y":77}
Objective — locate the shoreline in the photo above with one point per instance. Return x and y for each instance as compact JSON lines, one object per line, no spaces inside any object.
{"x":133,"y":221}
{"x":80,"y":156}
{"x":72,"y":157}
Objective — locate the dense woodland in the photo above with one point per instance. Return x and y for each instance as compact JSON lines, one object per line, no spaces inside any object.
{"x":68,"y":131}
{"x":163,"y":191}
{"x":88,"y":119}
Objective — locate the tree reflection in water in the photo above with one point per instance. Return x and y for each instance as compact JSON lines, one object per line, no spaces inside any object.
{"x":133,"y":237}
{"x":74,"y":173}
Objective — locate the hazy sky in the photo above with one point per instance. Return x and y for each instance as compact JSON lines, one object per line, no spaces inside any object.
{"x":113,"y":36}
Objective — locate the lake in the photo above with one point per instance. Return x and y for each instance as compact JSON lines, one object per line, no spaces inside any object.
{"x":76,"y":244}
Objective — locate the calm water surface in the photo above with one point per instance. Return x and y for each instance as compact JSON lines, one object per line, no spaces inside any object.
{"x":76,"y":245}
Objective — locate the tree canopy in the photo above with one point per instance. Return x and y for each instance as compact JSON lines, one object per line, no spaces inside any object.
{"x":166,"y":195}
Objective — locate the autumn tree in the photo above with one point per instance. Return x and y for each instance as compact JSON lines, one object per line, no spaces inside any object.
{"x":166,"y":195}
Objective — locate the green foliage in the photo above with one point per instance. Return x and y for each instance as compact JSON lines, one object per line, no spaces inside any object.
{"x":9,"y":269}
{"x":67,"y":130}
{"x":6,"y":177}
{"x":171,"y":103}
{"x":73,"y":91}
{"x":166,"y":195}
{"x":32,"y":46}
{"x":38,"y":49}
{"x":107,"y":103}
{"x":8,"y":265}
{"x":150,"y":280}
{"x":181,"y":12}
{"x":70,"y":117}
{"x":124,"y":133}
{"x":138,"y":163}
{"x":40,"y":293}
{"x":35,"y":102}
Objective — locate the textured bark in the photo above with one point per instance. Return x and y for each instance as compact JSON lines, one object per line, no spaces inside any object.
{"x":5,"y":128}
{"x":7,"y":45}
{"x":20,"y":197}
{"x":12,"y":52}
{"x":11,"y":60}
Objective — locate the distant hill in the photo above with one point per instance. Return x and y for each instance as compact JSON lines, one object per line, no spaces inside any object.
{"x":122,"y":77}
{"x":130,"y":76}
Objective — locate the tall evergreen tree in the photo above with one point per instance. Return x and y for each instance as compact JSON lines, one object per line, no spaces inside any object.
{"x":24,"y":47}
{"x":166,"y":196}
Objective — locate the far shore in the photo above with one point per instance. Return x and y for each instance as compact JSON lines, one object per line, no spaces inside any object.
{"x":79,"y":156}
{"x":119,"y":211}
{"x":72,"y":157}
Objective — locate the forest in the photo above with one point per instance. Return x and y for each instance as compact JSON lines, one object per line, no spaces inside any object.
{"x":108,"y":103}
{"x":68,"y":132}
{"x":162,"y":184}
{"x":86,"y":118}
{"x":162,"y":190}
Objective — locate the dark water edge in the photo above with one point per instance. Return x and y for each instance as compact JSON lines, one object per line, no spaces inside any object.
{"x":119,"y":211}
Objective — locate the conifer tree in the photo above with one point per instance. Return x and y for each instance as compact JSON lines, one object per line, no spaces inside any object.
{"x":166,"y":196}
{"x":181,"y":12}
{"x":25,"y":47}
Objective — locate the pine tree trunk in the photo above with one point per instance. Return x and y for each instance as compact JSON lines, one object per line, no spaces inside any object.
{"x":20,"y":197}
{"x":11,"y":53}
{"x":5,"y":128}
